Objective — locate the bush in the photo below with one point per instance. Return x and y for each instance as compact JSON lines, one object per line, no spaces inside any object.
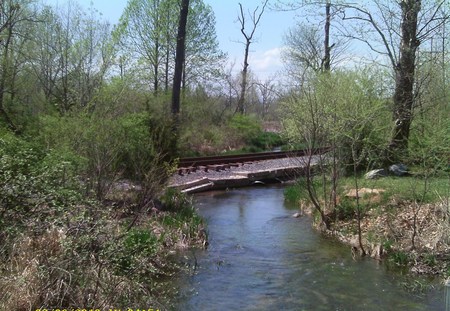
{"x":133,"y":146}
{"x":246,"y":127}
{"x":34,"y":181}
{"x":267,"y":140}
{"x":61,"y":250}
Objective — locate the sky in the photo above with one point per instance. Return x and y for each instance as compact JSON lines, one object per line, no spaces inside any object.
{"x":265,"y":59}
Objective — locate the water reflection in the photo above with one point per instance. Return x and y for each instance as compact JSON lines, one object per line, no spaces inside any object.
{"x":260,"y":258}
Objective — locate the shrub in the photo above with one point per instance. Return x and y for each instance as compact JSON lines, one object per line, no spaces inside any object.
{"x":245,"y":126}
{"x":267,"y":140}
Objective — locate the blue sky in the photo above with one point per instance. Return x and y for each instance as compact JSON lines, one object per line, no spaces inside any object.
{"x":265,"y":51}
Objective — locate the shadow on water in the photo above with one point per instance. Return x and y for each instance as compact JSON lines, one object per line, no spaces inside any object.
{"x":260,"y":258}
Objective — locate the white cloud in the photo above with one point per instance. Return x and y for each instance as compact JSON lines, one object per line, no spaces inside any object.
{"x":267,"y":63}
{"x":263,"y":64}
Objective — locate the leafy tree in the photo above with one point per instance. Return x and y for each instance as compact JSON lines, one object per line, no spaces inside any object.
{"x":16,"y":16}
{"x":401,"y":27}
{"x":393,"y":30}
{"x":204,"y":60}
{"x":143,"y":31}
{"x":341,"y":110}
{"x":72,"y":56}
{"x":147,"y":32}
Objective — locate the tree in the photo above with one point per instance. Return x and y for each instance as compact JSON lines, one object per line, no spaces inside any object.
{"x":394,"y":30}
{"x":399,"y":40}
{"x":255,"y":18}
{"x":309,"y":49}
{"x":149,"y":40}
{"x":179,"y":60}
{"x":204,"y":59}
{"x":71,"y":56}
{"x":15,"y":17}
{"x":143,"y":30}
{"x":326,"y":60}
{"x":344,"y":110}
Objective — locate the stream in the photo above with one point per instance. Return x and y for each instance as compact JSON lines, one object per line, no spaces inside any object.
{"x":261,"y":258}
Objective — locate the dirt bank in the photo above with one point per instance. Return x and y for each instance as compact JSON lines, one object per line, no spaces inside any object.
{"x":403,"y":232}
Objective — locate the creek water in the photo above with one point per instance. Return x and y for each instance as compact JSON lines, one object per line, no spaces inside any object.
{"x":260,"y":258}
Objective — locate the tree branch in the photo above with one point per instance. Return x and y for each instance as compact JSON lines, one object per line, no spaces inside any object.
{"x":370,"y":20}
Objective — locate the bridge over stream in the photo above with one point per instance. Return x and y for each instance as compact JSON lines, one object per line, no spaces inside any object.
{"x":232,"y":171}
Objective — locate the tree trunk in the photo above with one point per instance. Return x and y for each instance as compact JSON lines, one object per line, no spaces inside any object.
{"x":4,"y":78}
{"x":241,"y":103}
{"x":404,"y":80}
{"x":157,"y":51}
{"x":179,"y":61}
{"x":156,"y":70}
{"x":326,"y":61}
{"x":179,"y":58}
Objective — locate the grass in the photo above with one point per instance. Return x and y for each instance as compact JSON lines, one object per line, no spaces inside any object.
{"x":412,"y":188}
{"x":406,"y":188}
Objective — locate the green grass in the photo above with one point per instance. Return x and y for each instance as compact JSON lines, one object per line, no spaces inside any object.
{"x":413,"y":188}
{"x":425,"y":190}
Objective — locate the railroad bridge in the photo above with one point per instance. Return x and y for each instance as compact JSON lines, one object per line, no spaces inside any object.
{"x":231,"y":171}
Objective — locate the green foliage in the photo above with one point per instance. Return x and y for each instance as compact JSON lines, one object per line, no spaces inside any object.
{"x":138,"y":246}
{"x":430,"y":260}
{"x":346,"y":209}
{"x":138,"y":150}
{"x":343,"y":110}
{"x":298,"y":191}
{"x":246,"y":127}
{"x":131,"y":146}
{"x":267,"y":140}
{"x":399,"y":258}
{"x":292,"y":194}
{"x":67,"y":249}
{"x":32,"y":177}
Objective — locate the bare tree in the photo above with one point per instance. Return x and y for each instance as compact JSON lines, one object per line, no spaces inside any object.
{"x":326,"y":60}
{"x":255,"y":18}
{"x":309,"y":45}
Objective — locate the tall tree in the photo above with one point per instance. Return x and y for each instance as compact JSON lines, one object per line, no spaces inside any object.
{"x":179,"y":60}
{"x":326,"y":61}
{"x":313,"y":47}
{"x":398,"y":39}
{"x":255,"y":18}
{"x":203,"y":59}
{"x":71,"y":57}
{"x":15,"y":15}
{"x":148,"y":32}
{"x":143,"y":35}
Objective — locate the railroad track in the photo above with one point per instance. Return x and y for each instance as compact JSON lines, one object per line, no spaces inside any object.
{"x":187,"y":165}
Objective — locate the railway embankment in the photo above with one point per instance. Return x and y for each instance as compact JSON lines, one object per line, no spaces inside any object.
{"x":242,"y":174}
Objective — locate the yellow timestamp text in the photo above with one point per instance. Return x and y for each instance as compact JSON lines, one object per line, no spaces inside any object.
{"x":127,"y":309}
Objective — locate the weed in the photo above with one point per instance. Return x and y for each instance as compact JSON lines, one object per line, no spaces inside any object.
{"x":430,"y":260}
{"x":399,"y":258}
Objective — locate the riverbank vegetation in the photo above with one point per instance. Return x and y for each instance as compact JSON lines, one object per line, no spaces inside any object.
{"x":88,"y":142}
{"x":404,"y":218}
{"x":383,"y":115}
{"x":62,"y":246}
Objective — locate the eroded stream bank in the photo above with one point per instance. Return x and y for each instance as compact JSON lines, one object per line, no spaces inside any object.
{"x":260,"y":258}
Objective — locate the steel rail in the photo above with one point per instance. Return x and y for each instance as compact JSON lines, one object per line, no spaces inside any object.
{"x":247,"y":157}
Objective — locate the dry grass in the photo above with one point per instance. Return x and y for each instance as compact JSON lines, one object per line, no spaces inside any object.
{"x":76,"y":265}
{"x":389,"y":229}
